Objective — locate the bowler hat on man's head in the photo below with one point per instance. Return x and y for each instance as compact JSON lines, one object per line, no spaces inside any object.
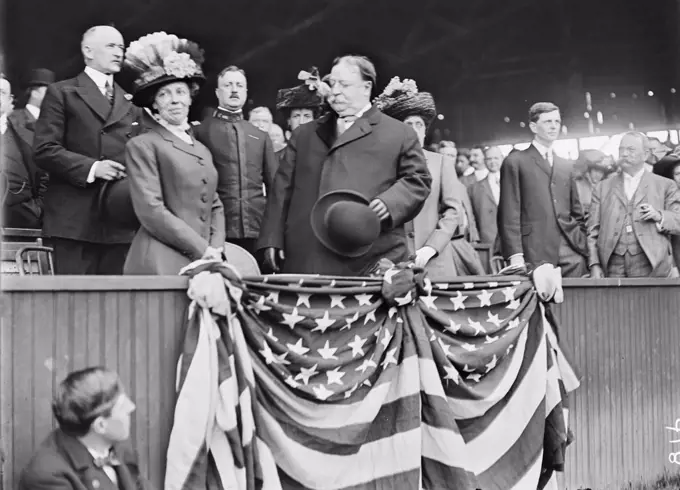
{"x":344,"y":223}
{"x":41,"y":77}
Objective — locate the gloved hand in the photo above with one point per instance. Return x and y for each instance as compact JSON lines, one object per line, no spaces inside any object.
{"x":273,"y":259}
{"x":548,"y":283}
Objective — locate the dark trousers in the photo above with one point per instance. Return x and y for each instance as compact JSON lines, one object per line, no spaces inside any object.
{"x":628,"y":265}
{"x":573,"y":264}
{"x":85,"y":258}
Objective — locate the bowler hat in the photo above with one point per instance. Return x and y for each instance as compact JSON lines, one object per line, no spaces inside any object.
{"x":115,"y":203}
{"x":344,"y":223}
{"x":41,"y":77}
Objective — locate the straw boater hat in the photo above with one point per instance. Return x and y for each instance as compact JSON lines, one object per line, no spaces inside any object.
{"x":311,"y":94}
{"x":401,"y":99}
{"x":156,"y":60}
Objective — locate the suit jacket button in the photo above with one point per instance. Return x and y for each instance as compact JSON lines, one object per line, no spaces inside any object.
{"x":411,"y":234}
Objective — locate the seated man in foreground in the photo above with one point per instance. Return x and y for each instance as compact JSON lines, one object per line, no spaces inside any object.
{"x":93,"y":413}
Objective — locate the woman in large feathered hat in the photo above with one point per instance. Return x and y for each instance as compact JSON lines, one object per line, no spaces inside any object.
{"x":171,"y":174}
{"x":447,"y":213}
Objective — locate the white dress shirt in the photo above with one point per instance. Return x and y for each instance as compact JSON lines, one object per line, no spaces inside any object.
{"x":35,"y":111}
{"x":99,"y":79}
{"x":178,"y":130}
{"x":495,"y":184}
{"x":110,"y":472}
{"x":348,"y":124}
{"x":3,"y":123}
{"x":545,"y":151}
{"x":631,"y":183}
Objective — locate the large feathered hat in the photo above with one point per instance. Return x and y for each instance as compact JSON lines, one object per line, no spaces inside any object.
{"x":309,"y":95}
{"x":158,"y":59}
{"x":401,"y":99}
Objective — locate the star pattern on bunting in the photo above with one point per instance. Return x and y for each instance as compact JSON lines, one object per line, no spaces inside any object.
{"x":321,"y":392}
{"x":509,"y":293}
{"x":366,"y":364}
{"x":404,"y":300}
{"x":337,"y":301}
{"x":458,"y":301}
{"x":357,"y":346}
{"x":429,"y":301}
{"x":303,"y":299}
{"x":322,"y":324}
{"x":306,"y":373}
{"x":479,"y":329}
{"x":468,"y":347}
{"x":514,"y":323}
{"x":453,"y":327}
{"x":298,"y":348}
{"x":350,"y":321}
{"x":259,"y":305}
{"x":494,"y":319}
{"x":327,"y":352}
{"x":389,"y":274}
{"x":513,"y":305}
{"x":389,"y":358}
{"x":452,"y":374}
{"x":474,"y":377}
{"x":267,"y":353}
{"x":292,"y":319}
{"x":484,"y":298}
{"x":492,"y":364}
{"x":364,"y":299}
{"x":335,"y":376}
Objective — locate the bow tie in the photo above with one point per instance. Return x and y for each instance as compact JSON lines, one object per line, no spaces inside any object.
{"x":348,"y":119}
{"x":228,"y":115}
{"x":108,"y":460}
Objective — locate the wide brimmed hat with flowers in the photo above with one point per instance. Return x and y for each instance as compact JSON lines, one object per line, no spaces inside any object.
{"x":401,"y":99}
{"x":158,"y":59}
{"x":309,"y":95}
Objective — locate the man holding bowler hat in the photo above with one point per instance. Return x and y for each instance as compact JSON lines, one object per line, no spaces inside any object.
{"x":366,"y":170}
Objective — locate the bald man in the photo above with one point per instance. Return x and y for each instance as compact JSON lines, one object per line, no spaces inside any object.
{"x":80,"y":139}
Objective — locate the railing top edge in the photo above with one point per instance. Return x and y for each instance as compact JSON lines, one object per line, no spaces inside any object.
{"x":161,"y":283}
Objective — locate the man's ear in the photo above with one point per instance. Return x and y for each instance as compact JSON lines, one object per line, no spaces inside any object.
{"x":98,"y":425}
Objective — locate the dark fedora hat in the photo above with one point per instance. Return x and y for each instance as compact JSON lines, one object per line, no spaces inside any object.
{"x":344,"y":223}
{"x":115,"y":203}
{"x":41,"y":77}
{"x":666,"y":165}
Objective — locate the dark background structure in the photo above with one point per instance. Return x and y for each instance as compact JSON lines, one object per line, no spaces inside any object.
{"x":485,"y":61}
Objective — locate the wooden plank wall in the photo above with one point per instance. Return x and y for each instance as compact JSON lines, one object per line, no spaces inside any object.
{"x":623,"y":338}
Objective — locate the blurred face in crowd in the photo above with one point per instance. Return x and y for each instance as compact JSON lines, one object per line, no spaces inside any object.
{"x":103,"y":49}
{"x":349,"y":92}
{"x":232,"y":90}
{"x":632,"y":153}
{"x":277,"y":137}
{"x":547,"y":128}
{"x":462,"y":164}
{"x":493,"y":159}
{"x":596,"y":175}
{"x":172,"y":102}
{"x":6,"y":99}
{"x":676,"y":175}
{"x":116,"y":426}
{"x":418,"y":125}
{"x":299,"y":116}
{"x":449,"y":151}
{"x":658,"y":149}
{"x":261,"y":118}
{"x":477,"y":158}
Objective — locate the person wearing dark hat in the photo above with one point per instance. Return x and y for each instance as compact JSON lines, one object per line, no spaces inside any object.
{"x":302,"y":104}
{"x":354,"y":148}
{"x":429,"y":234}
{"x":80,"y":140}
{"x":669,"y":167}
{"x":173,"y":182}
{"x":23,"y":207}
{"x":594,"y":163}
{"x":244,"y":158}
{"x":90,"y":448}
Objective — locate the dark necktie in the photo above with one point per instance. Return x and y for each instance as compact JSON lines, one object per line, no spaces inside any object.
{"x":108,"y":89}
{"x":228,"y":115}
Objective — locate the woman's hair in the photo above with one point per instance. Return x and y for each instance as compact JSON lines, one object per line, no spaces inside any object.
{"x":194,"y":88}
{"x":83,"y":396}
{"x":464,"y":152}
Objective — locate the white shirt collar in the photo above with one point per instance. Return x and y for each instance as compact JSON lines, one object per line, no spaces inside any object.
{"x":35,"y":111}
{"x":637,"y":177}
{"x":178,"y":130}
{"x":542,"y":149}
{"x":481,"y":173}
{"x":98,"y":77}
{"x":494,"y":178}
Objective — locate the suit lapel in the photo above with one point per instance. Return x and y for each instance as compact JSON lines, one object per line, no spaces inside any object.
{"x":194,"y":149}
{"x":22,"y":122}
{"x":360,"y":128}
{"x":326,"y":129}
{"x":81,"y":461}
{"x":540,"y":161}
{"x":90,"y":93}
{"x":121,"y":105}
{"x":641,"y":191}
{"x":619,"y":191}
{"x":488,"y":192}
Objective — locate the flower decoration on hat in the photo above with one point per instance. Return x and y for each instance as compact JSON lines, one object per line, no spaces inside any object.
{"x":160,"y":57}
{"x":311,"y":94}
{"x":401,"y":99}
{"x":313,"y":82}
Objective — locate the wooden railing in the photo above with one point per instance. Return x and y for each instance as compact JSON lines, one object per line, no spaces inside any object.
{"x":623,"y":335}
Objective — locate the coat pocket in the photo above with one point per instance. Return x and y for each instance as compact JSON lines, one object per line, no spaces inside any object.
{"x":526,"y":229}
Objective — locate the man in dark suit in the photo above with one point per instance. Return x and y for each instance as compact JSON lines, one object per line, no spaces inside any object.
{"x":632,"y":217}
{"x":80,"y":139}
{"x":485,"y":195}
{"x":23,"y":204}
{"x":539,"y":214}
{"x":355,"y":148}
{"x":88,"y":450}
{"x":244,"y":158}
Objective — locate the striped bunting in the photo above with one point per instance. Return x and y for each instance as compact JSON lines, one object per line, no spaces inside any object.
{"x":314,"y":382}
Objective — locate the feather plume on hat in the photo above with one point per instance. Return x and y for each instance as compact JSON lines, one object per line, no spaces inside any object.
{"x":311,"y":94}
{"x":160,"y":58}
